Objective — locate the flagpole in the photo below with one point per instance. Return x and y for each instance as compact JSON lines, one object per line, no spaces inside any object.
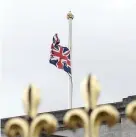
{"x":70,"y":17}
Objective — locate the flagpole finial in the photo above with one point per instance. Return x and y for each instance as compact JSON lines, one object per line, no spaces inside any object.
{"x":70,"y":15}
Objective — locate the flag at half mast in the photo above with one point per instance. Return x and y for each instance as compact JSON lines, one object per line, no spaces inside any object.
{"x":60,"y":56}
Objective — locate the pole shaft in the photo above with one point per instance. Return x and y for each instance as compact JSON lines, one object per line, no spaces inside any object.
{"x":70,"y":78}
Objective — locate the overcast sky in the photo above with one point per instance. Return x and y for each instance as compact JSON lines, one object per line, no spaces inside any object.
{"x":104,"y":44}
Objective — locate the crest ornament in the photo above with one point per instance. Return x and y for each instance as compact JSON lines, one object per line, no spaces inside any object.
{"x":35,"y":125}
{"x":92,"y":116}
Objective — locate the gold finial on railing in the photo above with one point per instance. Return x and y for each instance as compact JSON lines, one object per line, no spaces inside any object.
{"x":17,"y":126}
{"x":92,"y":117}
{"x":35,"y":124}
{"x":31,"y":100}
{"x":131,"y":111}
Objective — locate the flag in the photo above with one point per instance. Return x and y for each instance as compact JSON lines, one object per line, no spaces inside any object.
{"x":60,"y":56}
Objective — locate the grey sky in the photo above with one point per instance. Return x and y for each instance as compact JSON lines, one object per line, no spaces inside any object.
{"x":104,"y":39}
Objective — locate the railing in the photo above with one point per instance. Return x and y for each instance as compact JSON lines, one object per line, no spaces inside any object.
{"x":89,"y":118}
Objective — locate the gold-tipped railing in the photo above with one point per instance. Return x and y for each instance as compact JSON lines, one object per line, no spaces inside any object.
{"x":35,"y":125}
{"x":90,"y":118}
{"x":131,"y":111}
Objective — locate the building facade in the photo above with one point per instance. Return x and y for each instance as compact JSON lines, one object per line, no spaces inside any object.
{"x":125,"y":128}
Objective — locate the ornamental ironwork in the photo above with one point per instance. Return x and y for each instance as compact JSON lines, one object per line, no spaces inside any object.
{"x":90,"y":118}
